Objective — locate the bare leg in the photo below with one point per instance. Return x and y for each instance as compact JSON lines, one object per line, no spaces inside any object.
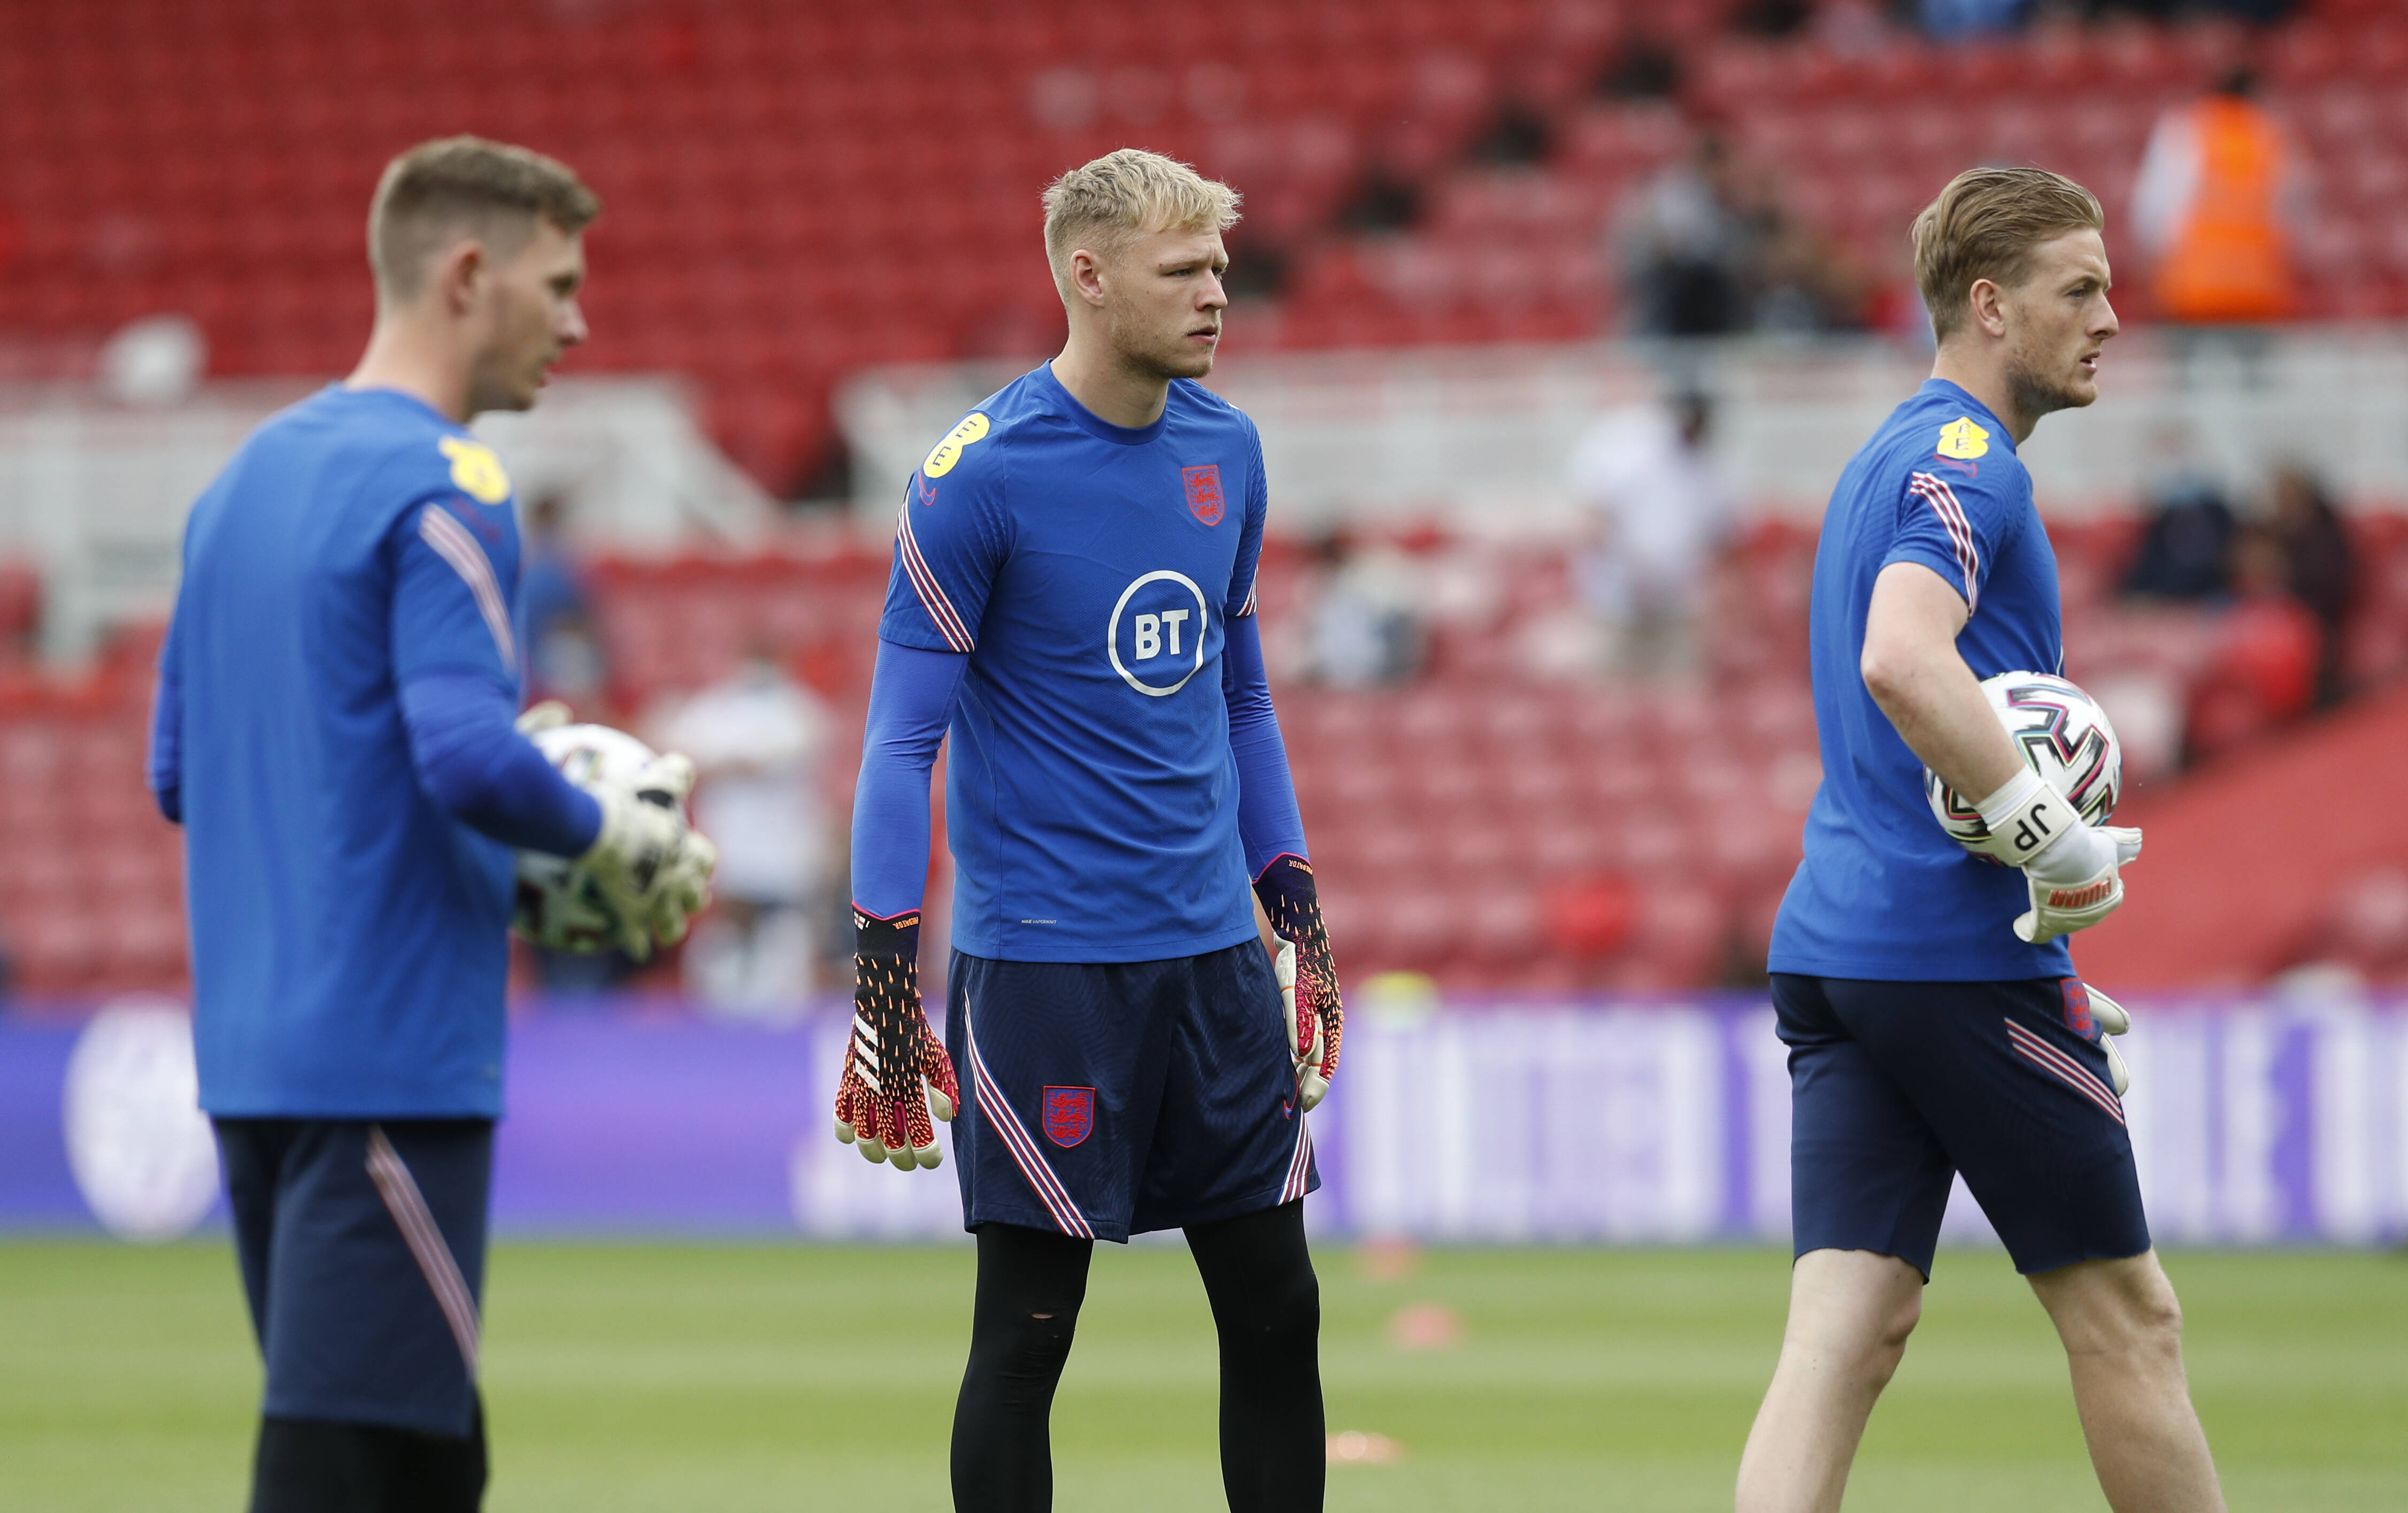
{"x":1850,"y":1312}
{"x":2122,"y":1329}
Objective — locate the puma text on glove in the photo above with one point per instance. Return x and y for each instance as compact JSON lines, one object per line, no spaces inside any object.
{"x":2077,"y":880}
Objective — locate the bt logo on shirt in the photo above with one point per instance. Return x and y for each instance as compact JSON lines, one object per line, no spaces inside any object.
{"x":1156,"y":640}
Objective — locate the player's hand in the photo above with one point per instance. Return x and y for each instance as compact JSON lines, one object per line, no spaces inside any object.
{"x":684,"y":887}
{"x":1308,"y":976}
{"x":1304,"y":1036}
{"x":654,"y":872}
{"x":535,"y":719}
{"x":2077,"y":880}
{"x":895,"y":1073}
{"x":2112,"y":1017}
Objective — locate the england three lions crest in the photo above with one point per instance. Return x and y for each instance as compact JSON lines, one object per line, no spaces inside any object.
{"x":1069,"y":1114}
{"x":1204,"y":492}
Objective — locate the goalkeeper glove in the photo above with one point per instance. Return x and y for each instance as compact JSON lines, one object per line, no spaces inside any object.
{"x":1307,"y":976}
{"x":2112,"y":1017}
{"x":654,"y":871}
{"x":2072,"y":868}
{"x":537,"y":718}
{"x":895,"y":1071}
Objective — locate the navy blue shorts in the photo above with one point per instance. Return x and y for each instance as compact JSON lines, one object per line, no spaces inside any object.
{"x":362,"y":1251}
{"x":1103,"y":1100}
{"x":1897,"y":1087}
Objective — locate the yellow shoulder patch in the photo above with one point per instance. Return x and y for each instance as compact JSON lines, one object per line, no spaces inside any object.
{"x":1960,"y":438}
{"x":476,"y":471}
{"x":948,"y":451}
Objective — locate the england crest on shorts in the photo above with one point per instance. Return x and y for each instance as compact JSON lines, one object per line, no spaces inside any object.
{"x":1069,"y":1114}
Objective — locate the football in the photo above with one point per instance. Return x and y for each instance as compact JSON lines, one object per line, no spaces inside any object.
{"x":558,"y":906}
{"x":2064,"y":735}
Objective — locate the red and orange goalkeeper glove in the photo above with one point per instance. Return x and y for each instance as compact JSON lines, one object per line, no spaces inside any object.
{"x":1307,"y":976}
{"x":896,"y":1073}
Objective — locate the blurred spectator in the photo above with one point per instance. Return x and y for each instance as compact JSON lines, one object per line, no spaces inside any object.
{"x":1802,"y":284}
{"x":758,"y":739}
{"x":1641,"y":69}
{"x":2321,"y":566}
{"x":1518,"y":137}
{"x":1384,"y":200}
{"x":2219,"y":195}
{"x":555,"y":614}
{"x":2186,"y":545}
{"x":2263,"y":12}
{"x":1688,"y":247}
{"x":1708,"y":248}
{"x":2270,"y":649}
{"x":1365,"y":628}
{"x":21,"y":613}
{"x":1659,"y":517}
{"x":1968,"y":17}
{"x":1771,"y":18}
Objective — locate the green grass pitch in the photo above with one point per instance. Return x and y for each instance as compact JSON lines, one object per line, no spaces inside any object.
{"x":733,"y":1378}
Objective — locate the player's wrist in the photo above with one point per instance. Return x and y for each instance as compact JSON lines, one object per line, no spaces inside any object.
{"x":897,"y":936}
{"x":1289,"y":901}
{"x":2025,"y":818}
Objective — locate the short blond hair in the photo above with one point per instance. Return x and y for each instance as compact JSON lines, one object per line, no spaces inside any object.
{"x":457,"y":186}
{"x":1101,"y":205}
{"x":1986,"y":225}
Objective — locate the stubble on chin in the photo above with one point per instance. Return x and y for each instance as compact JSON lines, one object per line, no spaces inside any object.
{"x":2034,"y":394}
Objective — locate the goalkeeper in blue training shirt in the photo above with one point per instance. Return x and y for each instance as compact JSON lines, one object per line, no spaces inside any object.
{"x":335,"y":730}
{"x":1934,"y":1021}
{"x":1072,"y":598}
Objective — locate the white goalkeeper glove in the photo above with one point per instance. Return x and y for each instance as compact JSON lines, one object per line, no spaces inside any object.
{"x":2112,"y":1017}
{"x":653,"y":868}
{"x":2072,"y":868}
{"x":537,"y":718}
{"x":1304,"y":1041}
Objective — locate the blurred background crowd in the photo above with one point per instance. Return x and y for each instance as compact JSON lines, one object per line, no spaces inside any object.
{"x":1561,"y":748}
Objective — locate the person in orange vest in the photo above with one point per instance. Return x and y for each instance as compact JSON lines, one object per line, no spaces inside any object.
{"x":2218,"y":194}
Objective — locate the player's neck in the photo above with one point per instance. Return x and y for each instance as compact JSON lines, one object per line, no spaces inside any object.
{"x":1990,"y":385}
{"x":1112,"y":391}
{"x":403,"y":358}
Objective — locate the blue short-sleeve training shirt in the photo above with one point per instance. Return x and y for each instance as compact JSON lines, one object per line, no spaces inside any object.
{"x":1087,"y":570}
{"x":1883,"y":892}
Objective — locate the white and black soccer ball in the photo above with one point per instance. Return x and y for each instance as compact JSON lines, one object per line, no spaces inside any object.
{"x":2063,"y":734}
{"x":558,"y":906}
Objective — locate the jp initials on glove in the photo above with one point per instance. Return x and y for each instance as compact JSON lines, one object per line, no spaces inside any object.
{"x":1307,"y":976}
{"x":895,"y":1070}
{"x":2073,"y":868}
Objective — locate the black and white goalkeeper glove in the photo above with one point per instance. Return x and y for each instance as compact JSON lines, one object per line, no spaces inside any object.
{"x":2073,"y":868}
{"x":653,"y":866}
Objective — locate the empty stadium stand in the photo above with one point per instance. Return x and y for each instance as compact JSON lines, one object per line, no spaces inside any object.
{"x":1490,"y":827}
{"x":799,"y":190}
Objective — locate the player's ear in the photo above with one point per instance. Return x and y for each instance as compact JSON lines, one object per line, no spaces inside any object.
{"x":1987,"y":301}
{"x":459,"y":274}
{"x":1087,"y":276}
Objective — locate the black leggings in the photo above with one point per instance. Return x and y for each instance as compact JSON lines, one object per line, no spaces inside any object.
{"x":304,"y":1465}
{"x":1265,"y":1303}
